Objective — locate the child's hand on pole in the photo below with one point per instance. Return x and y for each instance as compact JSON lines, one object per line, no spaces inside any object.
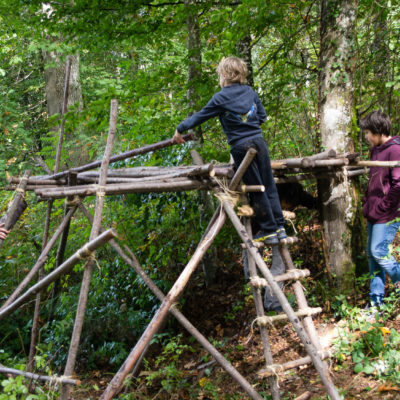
{"x":3,"y":232}
{"x":177,"y":138}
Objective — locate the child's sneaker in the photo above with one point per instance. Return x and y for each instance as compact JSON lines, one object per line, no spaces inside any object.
{"x":267,"y":238}
{"x":372,"y":312}
{"x":281,"y":233}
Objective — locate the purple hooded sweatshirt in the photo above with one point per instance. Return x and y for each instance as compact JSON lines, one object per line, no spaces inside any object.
{"x":382,"y":198}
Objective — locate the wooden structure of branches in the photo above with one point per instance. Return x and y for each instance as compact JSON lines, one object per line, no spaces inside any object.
{"x":79,"y":183}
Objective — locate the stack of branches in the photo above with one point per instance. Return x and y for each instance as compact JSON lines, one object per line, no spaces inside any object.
{"x":318,"y":166}
{"x":181,"y":178}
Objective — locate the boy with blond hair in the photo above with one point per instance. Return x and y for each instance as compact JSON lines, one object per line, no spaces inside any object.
{"x":241,"y":113}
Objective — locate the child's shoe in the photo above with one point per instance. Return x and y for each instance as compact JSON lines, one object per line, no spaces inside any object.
{"x":372,"y":312}
{"x":281,"y":233}
{"x":266,"y":237}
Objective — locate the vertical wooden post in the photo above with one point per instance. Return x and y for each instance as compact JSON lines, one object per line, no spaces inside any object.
{"x":80,"y":313}
{"x":35,"y":323}
{"x":301,"y":298}
{"x":211,"y":232}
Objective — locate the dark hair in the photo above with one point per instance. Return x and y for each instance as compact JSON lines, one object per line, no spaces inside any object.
{"x":377,"y":122}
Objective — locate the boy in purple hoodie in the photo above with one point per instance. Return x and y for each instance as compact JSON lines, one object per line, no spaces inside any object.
{"x":241,"y":113}
{"x":381,"y":203}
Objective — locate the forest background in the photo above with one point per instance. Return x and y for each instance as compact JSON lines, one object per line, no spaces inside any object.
{"x":318,"y":67}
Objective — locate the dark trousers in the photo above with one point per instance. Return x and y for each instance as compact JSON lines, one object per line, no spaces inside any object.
{"x":266,"y":204}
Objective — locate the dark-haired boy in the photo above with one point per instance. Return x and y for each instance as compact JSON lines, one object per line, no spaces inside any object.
{"x":381,"y":204}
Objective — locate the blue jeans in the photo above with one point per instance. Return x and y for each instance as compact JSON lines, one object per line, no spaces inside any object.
{"x":380,"y":260}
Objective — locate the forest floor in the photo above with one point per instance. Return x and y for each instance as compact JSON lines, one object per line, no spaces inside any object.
{"x":225,"y":314}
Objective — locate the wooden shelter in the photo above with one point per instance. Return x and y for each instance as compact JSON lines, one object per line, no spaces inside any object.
{"x":78,"y":183}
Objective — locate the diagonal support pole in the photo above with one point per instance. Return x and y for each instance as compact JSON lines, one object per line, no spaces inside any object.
{"x":14,"y":211}
{"x":212,"y":230}
{"x":40,"y":262}
{"x":132,"y":261}
{"x":82,"y":253}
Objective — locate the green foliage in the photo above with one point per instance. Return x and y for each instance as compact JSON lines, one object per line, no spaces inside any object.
{"x":167,"y":375}
{"x":373,"y":348}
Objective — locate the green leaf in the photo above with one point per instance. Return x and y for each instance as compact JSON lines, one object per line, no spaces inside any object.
{"x":358,"y":368}
{"x":369,"y":369}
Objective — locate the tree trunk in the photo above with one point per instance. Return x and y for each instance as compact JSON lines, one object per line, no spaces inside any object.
{"x":381,"y":56}
{"x":336,"y":116}
{"x":244,"y":52}
{"x":55,"y":77}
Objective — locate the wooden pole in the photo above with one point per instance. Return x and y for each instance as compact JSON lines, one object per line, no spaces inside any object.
{"x":123,"y":156}
{"x":72,"y":178}
{"x":213,"y":228}
{"x":85,"y":252}
{"x":320,"y":366}
{"x":300,"y":297}
{"x":35,"y":322}
{"x":258,"y":302}
{"x":123,"y":188}
{"x":12,"y":213}
{"x":385,"y":164}
{"x":36,"y":377}
{"x":40,"y":262}
{"x":87,"y":275}
{"x":132,"y":261}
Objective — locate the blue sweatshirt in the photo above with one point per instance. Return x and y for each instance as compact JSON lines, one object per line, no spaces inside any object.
{"x":239,"y":110}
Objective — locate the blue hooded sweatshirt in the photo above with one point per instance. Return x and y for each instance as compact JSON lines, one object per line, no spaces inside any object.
{"x":239,"y":110}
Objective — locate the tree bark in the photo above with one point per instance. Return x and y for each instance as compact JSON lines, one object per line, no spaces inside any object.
{"x":336,"y":116}
{"x":55,"y":85}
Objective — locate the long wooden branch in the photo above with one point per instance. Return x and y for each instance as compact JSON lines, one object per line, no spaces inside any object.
{"x":123,"y":156}
{"x":387,"y":164}
{"x":36,"y":377}
{"x":123,"y":188}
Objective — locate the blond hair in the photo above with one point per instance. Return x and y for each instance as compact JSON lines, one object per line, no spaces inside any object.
{"x":232,"y":70}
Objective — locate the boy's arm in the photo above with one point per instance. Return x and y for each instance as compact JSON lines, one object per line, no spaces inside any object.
{"x":210,"y":110}
{"x":391,"y":200}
